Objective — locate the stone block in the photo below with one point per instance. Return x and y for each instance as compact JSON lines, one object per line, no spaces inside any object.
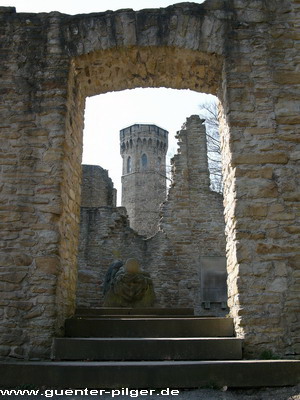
{"x":295,"y":155}
{"x":252,"y":210}
{"x":12,"y":277}
{"x":272,"y":248}
{"x":48,"y":265}
{"x":279,"y":284}
{"x":257,"y":188}
{"x":261,"y":158}
{"x":287,"y":78}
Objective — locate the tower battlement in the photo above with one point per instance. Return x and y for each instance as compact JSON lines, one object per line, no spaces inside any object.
{"x":143,"y":135}
{"x":140,"y":129}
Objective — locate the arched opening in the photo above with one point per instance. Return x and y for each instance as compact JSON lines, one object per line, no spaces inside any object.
{"x":144,"y":161}
{"x":138,"y":67}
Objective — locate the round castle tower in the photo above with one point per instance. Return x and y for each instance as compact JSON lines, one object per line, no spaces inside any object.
{"x":143,"y":149}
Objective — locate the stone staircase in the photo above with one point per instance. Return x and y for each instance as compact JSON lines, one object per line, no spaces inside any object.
{"x":137,"y":335}
{"x":148,"y":348}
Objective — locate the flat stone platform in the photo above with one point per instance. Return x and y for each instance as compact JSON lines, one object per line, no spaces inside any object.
{"x":149,"y":327}
{"x":151,"y":349}
{"x":116,"y":311}
{"x":150,"y":374}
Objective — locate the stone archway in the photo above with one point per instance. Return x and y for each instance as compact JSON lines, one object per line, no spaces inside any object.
{"x":223,"y":45}
{"x":126,"y":68}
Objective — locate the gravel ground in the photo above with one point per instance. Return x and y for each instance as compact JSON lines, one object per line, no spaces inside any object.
{"x":284,"y":393}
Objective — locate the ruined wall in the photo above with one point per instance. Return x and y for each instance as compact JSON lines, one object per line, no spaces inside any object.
{"x":261,"y":174}
{"x":38,"y":204}
{"x":192,"y":227}
{"x":97,"y":188}
{"x":248,"y":53}
{"x":105,"y":236}
{"x":192,"y":218}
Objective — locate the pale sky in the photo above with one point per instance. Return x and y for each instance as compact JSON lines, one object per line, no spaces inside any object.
{"x":106,"y":114}
{"x":85,"y":6}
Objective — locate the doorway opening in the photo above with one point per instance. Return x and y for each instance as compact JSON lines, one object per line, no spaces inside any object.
{"x":174,"y":248}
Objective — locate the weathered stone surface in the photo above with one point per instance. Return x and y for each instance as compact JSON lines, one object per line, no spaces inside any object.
{"x":13,"y":277}
{"x":247,"y":53}
{"x":263,"y":158}
{"x":273,"y":125}
{"x":47,"y":265}
{"x":97,"y":188}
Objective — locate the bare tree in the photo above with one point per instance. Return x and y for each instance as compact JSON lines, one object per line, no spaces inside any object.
{"x":209,"y":112}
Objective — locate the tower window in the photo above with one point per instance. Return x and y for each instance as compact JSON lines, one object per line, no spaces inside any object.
{"x":129,"y":167}
{"x":144,"y":161}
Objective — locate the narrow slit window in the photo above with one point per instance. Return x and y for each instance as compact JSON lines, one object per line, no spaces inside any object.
{"x":144,"y":161}
{"x":129,"y":167}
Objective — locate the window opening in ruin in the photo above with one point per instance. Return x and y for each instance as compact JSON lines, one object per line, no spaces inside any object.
{"x":209,"y":112}
{"x":144,"y":161}
{"x":128,"y":165}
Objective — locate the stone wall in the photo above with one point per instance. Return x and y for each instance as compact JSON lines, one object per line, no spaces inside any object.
{"x":39,"y":208}
{"x":261,"y":174}
{"x":192,"y":226}
{"x":192,"y":217}
{"x":97,"y":188}
{"x":105,"y":235}
{"x":248,"y":53}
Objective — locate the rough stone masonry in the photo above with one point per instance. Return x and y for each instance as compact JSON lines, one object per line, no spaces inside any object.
{"x":246,"y":52}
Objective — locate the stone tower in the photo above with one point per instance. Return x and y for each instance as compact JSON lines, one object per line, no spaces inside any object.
{"x":143,"y":149}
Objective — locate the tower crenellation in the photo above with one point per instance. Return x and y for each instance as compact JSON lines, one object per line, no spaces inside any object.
{"x":143,"y":148}
{"x":140,"y":139}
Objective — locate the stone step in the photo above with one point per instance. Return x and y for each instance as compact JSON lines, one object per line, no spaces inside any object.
{"x":149,"y":327}
{"x":135,"y":316}
{"x":153,"y":311}
{"x":155,"y":374}
{"x":152,"y":349}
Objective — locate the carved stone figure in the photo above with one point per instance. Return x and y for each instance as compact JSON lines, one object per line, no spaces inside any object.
{"x":126,"y":285}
